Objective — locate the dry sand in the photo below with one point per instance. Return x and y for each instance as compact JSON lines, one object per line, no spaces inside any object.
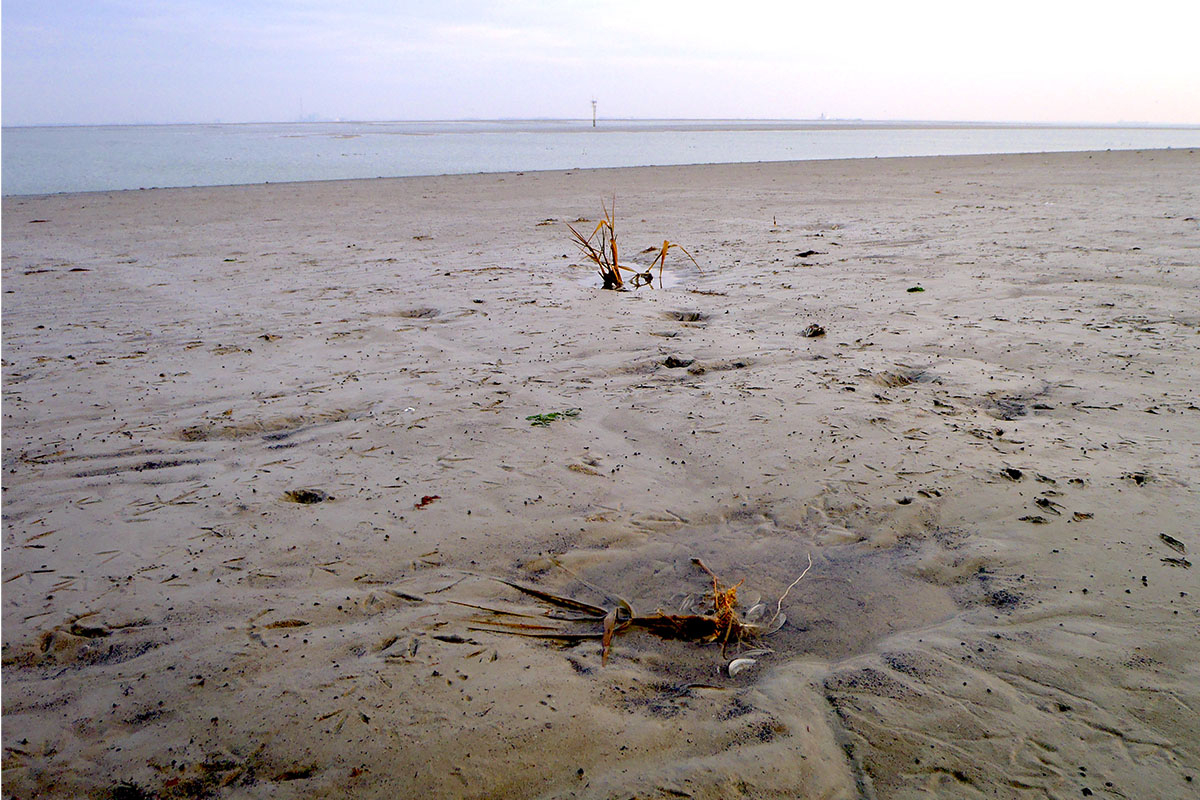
{"x":980,"y":471}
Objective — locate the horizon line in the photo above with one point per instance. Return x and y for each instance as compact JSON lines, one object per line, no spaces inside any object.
{"x":790,"y":120}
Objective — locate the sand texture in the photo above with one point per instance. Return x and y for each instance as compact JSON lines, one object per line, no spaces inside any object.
{"x":995,"y":478}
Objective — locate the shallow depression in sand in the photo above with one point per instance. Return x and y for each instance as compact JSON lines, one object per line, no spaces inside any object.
{"x":852,"y":597}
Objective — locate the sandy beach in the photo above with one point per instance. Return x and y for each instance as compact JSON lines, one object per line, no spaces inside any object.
{"x":990,"y":457}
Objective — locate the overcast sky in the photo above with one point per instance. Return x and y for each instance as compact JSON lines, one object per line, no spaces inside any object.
{"x":127,"y":61}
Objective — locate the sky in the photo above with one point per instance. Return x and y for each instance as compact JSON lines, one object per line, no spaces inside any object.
{"x":169,"y":61}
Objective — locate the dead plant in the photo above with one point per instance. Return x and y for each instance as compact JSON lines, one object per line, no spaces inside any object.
{"x":602,"y":252}
{"x":720,"y":621}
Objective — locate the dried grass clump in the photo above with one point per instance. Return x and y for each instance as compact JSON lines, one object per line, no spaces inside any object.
{"x":600,"y":248}
{"x":719,"y":622}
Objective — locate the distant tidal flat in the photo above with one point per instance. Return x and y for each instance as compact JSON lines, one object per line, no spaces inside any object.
{"x":45,"y":160}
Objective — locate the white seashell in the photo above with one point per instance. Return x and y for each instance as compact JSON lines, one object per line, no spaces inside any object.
{"x":756,"y":612}
{"x":776,"y":624}
{"x":739,"y":664}
{"x":688,"y":606}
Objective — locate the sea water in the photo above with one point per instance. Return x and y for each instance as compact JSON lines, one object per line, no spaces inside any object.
{"x":42,"y":160}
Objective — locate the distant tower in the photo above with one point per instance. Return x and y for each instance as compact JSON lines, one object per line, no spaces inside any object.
{"x":593,"y":113}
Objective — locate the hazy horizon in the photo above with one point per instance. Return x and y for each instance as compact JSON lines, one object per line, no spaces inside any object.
{"x":601,"y":120}
{"x":123,"y":62}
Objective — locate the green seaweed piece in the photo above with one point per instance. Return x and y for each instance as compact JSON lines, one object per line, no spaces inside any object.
{"x":543,"y":420}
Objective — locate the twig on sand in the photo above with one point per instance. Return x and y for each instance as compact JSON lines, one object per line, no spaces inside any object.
{"x":779,"y":605}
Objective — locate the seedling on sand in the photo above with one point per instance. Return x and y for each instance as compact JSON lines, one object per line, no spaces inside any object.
{"x":720,"y":621}
{"x":602,"y":252}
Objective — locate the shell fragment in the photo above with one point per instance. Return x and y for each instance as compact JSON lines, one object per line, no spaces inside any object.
{"x":740,"y":664}
{"x":756,"y":612}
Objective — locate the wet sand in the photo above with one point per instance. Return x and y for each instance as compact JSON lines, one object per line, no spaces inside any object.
{"x":982,"y":472}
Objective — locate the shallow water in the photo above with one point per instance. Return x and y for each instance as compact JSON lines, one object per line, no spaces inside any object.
{"x":45,"y":160}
